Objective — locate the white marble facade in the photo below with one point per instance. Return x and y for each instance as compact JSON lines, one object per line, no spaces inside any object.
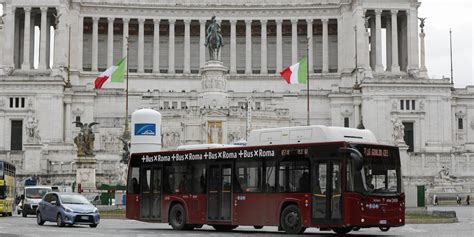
{"x":166,"y":52}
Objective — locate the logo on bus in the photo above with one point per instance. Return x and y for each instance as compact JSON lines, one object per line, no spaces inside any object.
{"x":145,"y":129}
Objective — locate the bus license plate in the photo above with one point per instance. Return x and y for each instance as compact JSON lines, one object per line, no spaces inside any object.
{"x":84,"y":218}
{"x":383,"y":222}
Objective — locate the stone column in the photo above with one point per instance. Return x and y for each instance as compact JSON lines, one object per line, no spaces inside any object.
{"x":80,"y":37}
{"x":68,"y":122}
{"x":309,"y":30}
{"x":263,"y":51}
{"x":110,"y":42}
{"x":279,"y":59}
{"x":294,"y":41}
{"x":141,"y":43}
{"x":248,"y":46}
{"x":325,"y":46}
{"x":372,"y":36}
{"x":9,"y":34}
{"x":187,"y":46}
{"x":202,"y":41}
{"x":95,"y":41}
{"x":125,"y":36}
{"x":26,"y":40}
{"x":378,"y":41}
{"x":388,"y":41}
{"x":156,"y":46}
{"x":339,"y":44}
{"x":394,"y":25}
{"x":171,"y":46}
{"x":414,"y":50}
{"x":423,"y":70}
{"x":233,"y":43}
{"x":43,"y":62}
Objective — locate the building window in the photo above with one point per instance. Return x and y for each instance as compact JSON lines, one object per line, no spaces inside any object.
{"x":78,"y":120}
{"x":166,"y":105}
{"x":407,"y":104}
{"x":346,"y":122}
{"x":413,"y":104}
{"x":17,"y":102}
{"x":183,"y":105}
{"x":174,"y":105}
{"x":460,"y":124}
{"x":401,"y":104}
{"x":258,"y":105}
{"x":409,"y":136}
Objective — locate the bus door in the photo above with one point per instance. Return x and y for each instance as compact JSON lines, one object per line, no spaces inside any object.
{"x":219,"y":192}
{"x":150,"y":206}
{"x":326,"y":192}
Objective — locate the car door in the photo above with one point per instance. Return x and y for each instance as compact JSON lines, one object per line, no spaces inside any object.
{"x":51,"y":208}
{"x":43,"y":206}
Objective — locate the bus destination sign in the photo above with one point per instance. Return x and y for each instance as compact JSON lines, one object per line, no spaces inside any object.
{"x":209,"y":155}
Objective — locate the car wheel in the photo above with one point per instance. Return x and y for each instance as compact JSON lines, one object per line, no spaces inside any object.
{"x":384,"y":229}
{"x":59,"y":221}
{"x":177,"y":217}
{"x":290,"y":220}
{"x":39,"y":219}
{"x":93,"y":225}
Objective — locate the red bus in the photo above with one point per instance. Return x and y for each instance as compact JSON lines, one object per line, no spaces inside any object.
{"x":341,"y":181}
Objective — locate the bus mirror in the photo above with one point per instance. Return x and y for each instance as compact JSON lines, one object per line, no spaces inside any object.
{"x":355,"y":155}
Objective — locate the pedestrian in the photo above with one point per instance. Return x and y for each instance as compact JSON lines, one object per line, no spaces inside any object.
{"x":435,"y":200}
{"x":458,"y":200}
{"x":467,"y":200}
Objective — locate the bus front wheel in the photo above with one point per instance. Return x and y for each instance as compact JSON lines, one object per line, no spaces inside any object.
{"x":224,"y":228}
{"x":178,"y":217}
{"x":291,"y":220}
{"x":342,"y":230}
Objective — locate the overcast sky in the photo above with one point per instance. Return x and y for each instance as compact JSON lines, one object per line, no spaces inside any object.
{"x":441,"y":16}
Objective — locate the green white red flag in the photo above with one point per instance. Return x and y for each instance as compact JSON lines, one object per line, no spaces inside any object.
{"x":113,"y":74}
{"x":296,"y":73}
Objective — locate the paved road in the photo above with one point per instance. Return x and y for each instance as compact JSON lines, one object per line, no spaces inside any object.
{"x":18,"y":226}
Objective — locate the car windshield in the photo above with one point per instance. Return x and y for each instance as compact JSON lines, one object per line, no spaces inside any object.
{"x":36,"y":192}
{"x":74,"y":199}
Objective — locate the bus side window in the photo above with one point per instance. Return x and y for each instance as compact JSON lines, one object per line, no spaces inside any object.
{"x":270,"y":173}
{"x":199,"y":179}
{"x":133,"y":182}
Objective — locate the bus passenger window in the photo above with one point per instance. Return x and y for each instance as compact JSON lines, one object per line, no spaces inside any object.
{"x":249,"y":177}
{"x":294,"y":177}
{"x":133,"y":181}
{"x":270,"y":177}
{"x":198,"y":182}
{"x":146,"y":181}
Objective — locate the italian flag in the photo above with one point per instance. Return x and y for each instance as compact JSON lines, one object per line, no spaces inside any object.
{"x":114,"y":73}
{"x":296,"y":73}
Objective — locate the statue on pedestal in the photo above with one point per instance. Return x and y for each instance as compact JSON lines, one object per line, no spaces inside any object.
{"x":32,"y":130}
{"x":214,"y":39}
{"x":85,"y":139}
{"x":398,"y":131}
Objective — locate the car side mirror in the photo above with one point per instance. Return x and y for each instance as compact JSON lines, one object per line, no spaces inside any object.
{"x":54,"y":203}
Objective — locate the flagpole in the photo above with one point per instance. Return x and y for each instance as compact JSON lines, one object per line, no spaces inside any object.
{"x":68,"y":82}
{"x":307,"y":81}
{"x":126,"y":133}
{"x":451,"y":54}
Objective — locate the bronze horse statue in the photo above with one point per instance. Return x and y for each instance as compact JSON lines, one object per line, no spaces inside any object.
{"x":214,"y":39}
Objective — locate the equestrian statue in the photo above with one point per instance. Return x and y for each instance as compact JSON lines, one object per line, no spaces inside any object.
{"x":214,"y":39}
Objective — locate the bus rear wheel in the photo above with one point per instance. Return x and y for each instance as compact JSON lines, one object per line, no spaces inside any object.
{"x":291,"y":220}
{"x":177,"y":217}
{"x":384,"y":228}
{"x":342,"y":230}
{"x":258,"y":227}
{"x":224,"y":228}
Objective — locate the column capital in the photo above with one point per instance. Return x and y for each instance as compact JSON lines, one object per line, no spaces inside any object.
{"x":394,"y":12}
{"x":141,"y":20}
{"x":43,"y":9}
{"x":233,"y":21}
{"x":171,"y":21}
{"x":156,"y":21}
{"x":324,"y":20}
{"x":111,"y":19}
{"x":126,"y":20}
{"x":279,"y":21}
{"x":263,"y":21}
{"x":187,"y":21}
{"x":378,"y":12}
{"x":202,"y":21}
{"x":95,"y":19}
{"x":27,"y":9}
{"x":309,"y":21}
{"x":294,"y":21}
{"x":248,"y":21}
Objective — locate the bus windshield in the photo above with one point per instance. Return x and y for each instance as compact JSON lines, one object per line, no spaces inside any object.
{"x":3,"y":190}
{"x":381,"y":175}
{"x":36,"y":192}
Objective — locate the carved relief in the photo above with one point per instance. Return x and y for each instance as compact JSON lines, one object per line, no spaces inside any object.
{"x":171,"y":137}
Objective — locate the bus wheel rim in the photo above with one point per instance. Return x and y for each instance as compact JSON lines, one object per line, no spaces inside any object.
{"x":292,"y":219}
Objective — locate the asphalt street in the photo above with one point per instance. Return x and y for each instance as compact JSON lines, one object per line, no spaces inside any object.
{"x":19,"y":226}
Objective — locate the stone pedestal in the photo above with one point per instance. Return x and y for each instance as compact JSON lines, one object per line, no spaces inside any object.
{"x":213,"y":85}
{"x":85,"y":173}
{"x":31,"y":163}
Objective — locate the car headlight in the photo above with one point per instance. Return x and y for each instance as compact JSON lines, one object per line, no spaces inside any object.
{"x":67,"y":209}
{"x":96,"y":210}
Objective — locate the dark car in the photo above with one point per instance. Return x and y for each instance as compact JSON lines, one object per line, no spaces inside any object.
{"x":67,"y":208}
